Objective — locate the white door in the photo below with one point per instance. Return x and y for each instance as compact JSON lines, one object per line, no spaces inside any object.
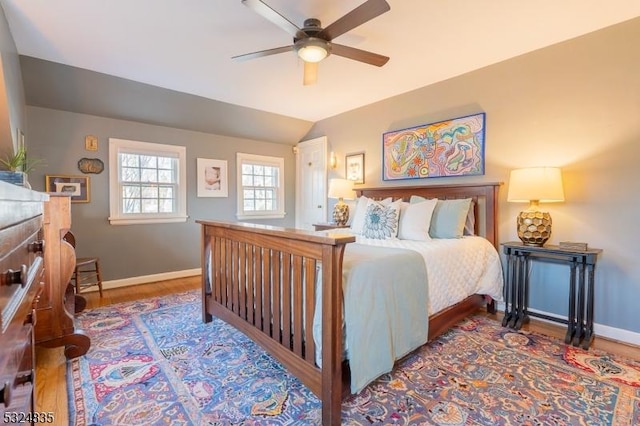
{"x":311,"y":183}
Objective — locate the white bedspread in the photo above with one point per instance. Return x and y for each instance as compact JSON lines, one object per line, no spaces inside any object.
{"x":455,"y":269}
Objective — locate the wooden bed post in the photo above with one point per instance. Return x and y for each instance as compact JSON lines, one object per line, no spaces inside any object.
{"x":332,"y":334}
{"x":205,"y":259}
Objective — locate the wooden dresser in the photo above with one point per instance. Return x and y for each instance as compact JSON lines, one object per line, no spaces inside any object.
{"x":59,"y":302}
{"x":21,"y":281}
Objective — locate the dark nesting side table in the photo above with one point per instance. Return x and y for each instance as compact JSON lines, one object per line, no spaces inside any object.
{"x":581,"y":264}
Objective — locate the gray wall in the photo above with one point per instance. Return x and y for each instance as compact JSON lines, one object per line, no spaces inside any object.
{"x":138,"y":250}
{"x":56,"y":86}
{"x":12,"y":100}
{"x":575,"y":105}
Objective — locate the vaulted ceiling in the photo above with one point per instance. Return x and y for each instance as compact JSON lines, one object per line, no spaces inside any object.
{"x":187,"y":45}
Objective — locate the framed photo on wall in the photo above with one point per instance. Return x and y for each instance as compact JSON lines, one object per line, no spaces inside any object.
{"x":75,"y":186}
{"x":212,"y":178}
{"x":354,"y":167}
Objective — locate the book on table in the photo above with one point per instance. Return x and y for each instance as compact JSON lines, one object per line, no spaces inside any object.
{"x":573,"y":245}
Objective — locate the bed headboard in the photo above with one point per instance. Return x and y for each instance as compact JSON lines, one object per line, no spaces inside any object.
{"x":484,"y":195}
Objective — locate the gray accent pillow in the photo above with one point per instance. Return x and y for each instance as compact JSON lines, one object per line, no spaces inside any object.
{"x":449,"y":217}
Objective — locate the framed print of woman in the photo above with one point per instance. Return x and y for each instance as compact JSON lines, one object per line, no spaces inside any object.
{"x":212,"y":178}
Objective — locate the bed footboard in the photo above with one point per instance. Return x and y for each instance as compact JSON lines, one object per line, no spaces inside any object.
{"x":261,"y":280}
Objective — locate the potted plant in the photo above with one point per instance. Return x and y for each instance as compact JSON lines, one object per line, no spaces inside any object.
{"x":17,"y":166}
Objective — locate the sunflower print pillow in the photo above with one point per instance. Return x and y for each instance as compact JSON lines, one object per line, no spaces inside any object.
{"x":381,"y":222}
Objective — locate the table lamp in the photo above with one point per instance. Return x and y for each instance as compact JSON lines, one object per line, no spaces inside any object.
{"x":535,"y":185}
{"x":341,"y":189}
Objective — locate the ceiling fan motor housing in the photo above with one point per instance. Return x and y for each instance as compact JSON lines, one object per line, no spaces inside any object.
{"x":311,"y":28}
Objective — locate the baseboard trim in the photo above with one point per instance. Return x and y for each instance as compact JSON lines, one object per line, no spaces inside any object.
{"x":145,"y":279}
{"x":613,"y":333}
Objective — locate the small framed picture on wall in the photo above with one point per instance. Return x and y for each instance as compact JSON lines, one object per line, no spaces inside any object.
{"x":77,"y":187}
{"x":354,"y":167}
{"x":212,"y":178}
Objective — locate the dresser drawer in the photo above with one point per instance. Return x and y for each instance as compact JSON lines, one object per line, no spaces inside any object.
{"x":21,"y":258}
{"x":18,"y":375}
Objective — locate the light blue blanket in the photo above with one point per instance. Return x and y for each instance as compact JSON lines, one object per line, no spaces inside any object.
{"x":385,"y":308}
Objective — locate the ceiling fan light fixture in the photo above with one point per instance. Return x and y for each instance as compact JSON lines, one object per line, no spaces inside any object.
{"x":312,"y":49}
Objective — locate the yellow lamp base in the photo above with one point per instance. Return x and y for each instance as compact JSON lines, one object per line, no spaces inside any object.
{"x":534,"y":227}
{"x":341,"y":213}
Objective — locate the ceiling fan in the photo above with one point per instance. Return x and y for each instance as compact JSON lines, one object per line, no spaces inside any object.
{"x":313,"y":43}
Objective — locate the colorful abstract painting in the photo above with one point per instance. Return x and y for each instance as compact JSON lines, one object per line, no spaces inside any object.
{"x":447,"y":148}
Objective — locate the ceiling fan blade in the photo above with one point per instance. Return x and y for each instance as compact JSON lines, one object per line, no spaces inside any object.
{"x":261,"y":53}
{"x":310,"y":73}
{"x":358,"y":16}
{"x":359,"y":55}
{"x":261,"y":8}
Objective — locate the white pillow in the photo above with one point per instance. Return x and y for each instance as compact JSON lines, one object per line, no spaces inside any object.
{"x":470,"y":224}
{"x":357,"y":223}
{"x":381,"y":221}
{"x":352,"y":204}
{"x":415,"y":220}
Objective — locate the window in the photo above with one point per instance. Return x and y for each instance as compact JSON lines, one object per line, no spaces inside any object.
{"x":147,"y":183}
{"x":260,"y":187}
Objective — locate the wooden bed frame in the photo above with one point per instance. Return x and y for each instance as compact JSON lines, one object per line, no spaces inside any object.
{"x":261,"y":280}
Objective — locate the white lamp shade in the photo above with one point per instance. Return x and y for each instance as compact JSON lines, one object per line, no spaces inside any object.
{"x":543,"y":184}
{"x":341,"y":188}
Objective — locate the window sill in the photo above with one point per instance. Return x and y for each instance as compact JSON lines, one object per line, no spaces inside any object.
{"x":148,"y":220}
{"x":240,"y":216}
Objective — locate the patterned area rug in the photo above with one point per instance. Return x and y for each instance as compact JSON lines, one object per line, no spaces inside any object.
{"x":154,"y":362}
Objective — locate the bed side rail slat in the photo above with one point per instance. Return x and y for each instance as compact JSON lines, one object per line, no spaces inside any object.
{"x":286,"y":300}
{"x":276,"y":300}
{"x":266,"y":290}
{"x":309,"y":301}
{"x":242,"y":280}
{"x":297,"y":304}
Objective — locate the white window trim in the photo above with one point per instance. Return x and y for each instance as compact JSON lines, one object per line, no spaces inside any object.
{"x":266,"y":160}
{"x":115,"y":217}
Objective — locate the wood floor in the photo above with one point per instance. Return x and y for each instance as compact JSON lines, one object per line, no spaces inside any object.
{"x":51,"y":385}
